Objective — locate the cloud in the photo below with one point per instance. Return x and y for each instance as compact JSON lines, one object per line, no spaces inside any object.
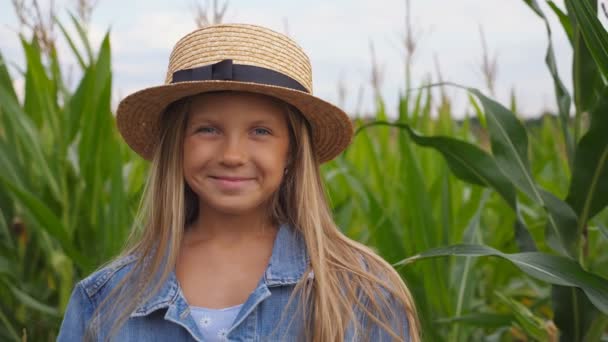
{"x":336,"y":36}
{"x":151,"y":31}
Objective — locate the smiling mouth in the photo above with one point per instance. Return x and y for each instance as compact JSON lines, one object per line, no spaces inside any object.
{"x":231,"y":179}
{"x":231,"y":183}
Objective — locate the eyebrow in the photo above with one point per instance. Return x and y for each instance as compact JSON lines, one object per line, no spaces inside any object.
{"x":264,"y":122}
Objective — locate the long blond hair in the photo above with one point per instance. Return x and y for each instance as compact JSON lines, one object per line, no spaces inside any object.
{"x":348,"y":276}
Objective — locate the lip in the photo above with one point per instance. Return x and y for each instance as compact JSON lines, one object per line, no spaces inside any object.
{"x":231,"y":183}
{"x":232,"y":179}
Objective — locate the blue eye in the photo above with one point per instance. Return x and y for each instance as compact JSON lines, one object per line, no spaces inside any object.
{"x":261,"y":131}
{"x":206,"y":129}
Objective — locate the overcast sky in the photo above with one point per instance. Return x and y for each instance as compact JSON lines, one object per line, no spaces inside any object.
{"x":337,"y":35}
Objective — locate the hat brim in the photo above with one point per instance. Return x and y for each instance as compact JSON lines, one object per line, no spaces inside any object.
{"x":138,"y":114}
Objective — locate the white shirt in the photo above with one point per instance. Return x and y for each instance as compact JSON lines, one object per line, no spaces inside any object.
{"x":214,"y":323}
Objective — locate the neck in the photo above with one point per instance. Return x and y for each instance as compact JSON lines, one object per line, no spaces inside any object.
{"x":230,"y":228}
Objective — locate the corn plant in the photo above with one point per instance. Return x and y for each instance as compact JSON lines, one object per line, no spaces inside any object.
{"x":68,"y":185}
{"x":548,"y":225}
{"x":533,"y":196}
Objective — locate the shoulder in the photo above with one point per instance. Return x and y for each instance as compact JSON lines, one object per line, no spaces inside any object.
{"x":86,"y":296}
{"x":107,"y":276}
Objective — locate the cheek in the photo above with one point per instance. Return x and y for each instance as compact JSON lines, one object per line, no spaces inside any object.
{"x":277,"y":156}
{"x":194,"y":156}
{"x":196,"y":150}
{"x":188,"y":156}
{"x":274,"y":160}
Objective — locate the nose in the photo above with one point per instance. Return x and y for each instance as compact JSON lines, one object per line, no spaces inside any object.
{"x":233,"y":152}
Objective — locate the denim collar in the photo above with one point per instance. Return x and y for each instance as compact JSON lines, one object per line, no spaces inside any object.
{"x":287,"y":265}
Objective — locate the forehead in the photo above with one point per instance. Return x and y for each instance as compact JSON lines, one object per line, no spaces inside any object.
{"x":236,"y":106}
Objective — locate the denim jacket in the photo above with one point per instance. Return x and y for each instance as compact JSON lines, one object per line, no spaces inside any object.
{"x":166,"y":316}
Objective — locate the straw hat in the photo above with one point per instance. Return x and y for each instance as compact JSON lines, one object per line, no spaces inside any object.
{"x":238,"y":57}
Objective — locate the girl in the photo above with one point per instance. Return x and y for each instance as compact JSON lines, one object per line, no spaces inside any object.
{"x":235,"y":240}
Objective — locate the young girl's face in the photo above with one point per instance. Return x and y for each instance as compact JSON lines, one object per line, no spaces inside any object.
{"x":235,"y":151}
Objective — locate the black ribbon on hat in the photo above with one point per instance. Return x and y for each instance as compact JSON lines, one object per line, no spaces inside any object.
{"x":226,"y":70}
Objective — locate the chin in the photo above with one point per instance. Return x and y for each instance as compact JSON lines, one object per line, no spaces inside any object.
{"x":234,"y":208}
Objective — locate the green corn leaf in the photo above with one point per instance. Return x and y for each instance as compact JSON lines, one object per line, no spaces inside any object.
{"x":560,"y":231}
{"x":604,"y":230}
{"x":70,"y":41}
{"x":597,"y":329}
{"x":533,"y":325}
{"x":6,"y":81}
{"x":95,"y":124}
{"x":24,"y":130}
{"x":561,"y":92}
{"x":36,"y":105}
{"x":478,"y":112}
{"x":563,"y":19}
{"x":464,"y":284}
{"x":10,"y":163}
{"x":5,"y":267}
{"x":480,"y":319}
{"x":119,"y":199}
{"x":64,"y":268}
{"x":79,"y":104}
{"x":525,"y":242}
{"x":40,"y":102}
{"x":549,"y":268}
{"x":5,"y":234}
{"x":9,"y":328}
{"x":422,"y":178}
{"x":473,"y":165}
{"x":510,"y":149}
{"x":383,"y":231}
{"x":33,"y":303}
{"x":416,"y":112}
{"x":573,"y":312}
{"x":47,"y":220}
{"x":467,"y":161}
{"x":594,"y":34}
{"x":40,"y":211}
{"x":588,"y":193}
{"x":83,"y":37}
{"x":586,"y":76}
{"x":509,"y":144}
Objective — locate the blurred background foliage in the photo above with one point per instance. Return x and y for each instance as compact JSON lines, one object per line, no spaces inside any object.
{"x":510,"y":215}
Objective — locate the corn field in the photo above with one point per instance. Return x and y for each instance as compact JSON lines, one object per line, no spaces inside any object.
{"x":499,"y":227}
